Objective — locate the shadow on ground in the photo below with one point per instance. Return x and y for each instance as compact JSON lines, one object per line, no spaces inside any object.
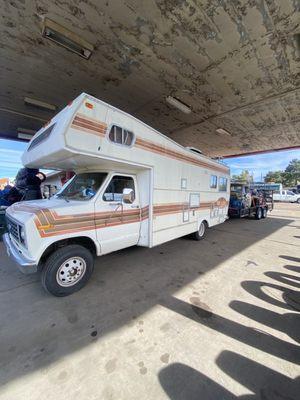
{"x":183,"y":382}
{"x":37,"y":329}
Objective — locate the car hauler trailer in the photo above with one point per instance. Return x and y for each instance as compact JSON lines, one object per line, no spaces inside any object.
{"x":133,"y":186}
{"x":247,"y":201}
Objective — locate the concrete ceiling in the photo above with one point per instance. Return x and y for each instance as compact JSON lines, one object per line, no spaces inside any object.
{"x":237,"y":63}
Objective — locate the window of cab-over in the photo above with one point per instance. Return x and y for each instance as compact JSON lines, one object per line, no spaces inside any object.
{"x":121,"y":136}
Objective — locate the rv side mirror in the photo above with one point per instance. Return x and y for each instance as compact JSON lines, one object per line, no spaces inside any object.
{"x":128,"y":196}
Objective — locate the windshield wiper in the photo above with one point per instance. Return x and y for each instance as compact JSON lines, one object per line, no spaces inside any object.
{"x":61,"y":196}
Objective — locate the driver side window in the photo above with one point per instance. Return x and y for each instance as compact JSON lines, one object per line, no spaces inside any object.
{"x":114,"y":190}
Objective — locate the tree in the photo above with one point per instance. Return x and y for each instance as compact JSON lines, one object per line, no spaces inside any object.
{"x":292,"y":173}
{"x":274,"y":176}
{"x":289,"y":177}
{"x":244,"y":177}
{"x":294,"y":166}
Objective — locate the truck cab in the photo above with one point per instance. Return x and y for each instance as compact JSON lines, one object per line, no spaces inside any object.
{"x":72,"y":218}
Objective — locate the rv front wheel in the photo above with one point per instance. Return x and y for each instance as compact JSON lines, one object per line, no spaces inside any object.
{"x":199,"y":235}
{"x":67,"y":270}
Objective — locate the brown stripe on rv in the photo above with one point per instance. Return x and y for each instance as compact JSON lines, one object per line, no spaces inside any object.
{"x":82,"y":128}
{"x":86,"y":128}
{"x":100,"y":128}
{"x":61,"y":224}
{"x":49,"y":223}
{"x":175,"y":154}
{"x":93,"y":125}
{"x":89,"y":122}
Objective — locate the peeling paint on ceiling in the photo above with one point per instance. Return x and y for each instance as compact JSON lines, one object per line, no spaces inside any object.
{"x":235,"y":62}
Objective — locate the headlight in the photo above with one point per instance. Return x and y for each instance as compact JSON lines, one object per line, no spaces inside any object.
{"x":22,"y":234}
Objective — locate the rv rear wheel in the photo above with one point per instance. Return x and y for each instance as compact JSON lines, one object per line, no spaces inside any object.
{"x":67,"y":270}
{"x":199,"y":235}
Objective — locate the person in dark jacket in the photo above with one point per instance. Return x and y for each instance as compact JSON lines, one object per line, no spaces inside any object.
{"x":28,"y":184}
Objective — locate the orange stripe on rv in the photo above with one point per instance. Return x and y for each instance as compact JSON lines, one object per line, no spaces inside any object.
{"x":81,"y":122}
{"x":49,"y":223}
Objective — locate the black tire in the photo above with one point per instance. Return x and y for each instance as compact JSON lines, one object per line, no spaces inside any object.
{"x":200,"y":234}
{"x":264,"y":213}
{"x":59,"y":258}
{"x":298,"y":200}
{"x":258,"y":214}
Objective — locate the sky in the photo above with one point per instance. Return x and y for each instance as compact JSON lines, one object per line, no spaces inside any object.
{"x":260,"y":164}
{"x":10,"y":160}
{"x":10,"y":157}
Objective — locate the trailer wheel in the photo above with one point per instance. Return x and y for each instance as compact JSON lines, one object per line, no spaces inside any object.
{"x":67,"y":270}
{"x":199,"y":235}
{"x":258,"y":214}
{"x":264,"y":213}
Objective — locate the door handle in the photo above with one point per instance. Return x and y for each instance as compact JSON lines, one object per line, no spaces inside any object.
{"x":135,"y":206}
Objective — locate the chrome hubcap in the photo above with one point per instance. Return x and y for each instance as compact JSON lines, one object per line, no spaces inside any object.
{"x":201,"y":229}
{"x":71,"y":271}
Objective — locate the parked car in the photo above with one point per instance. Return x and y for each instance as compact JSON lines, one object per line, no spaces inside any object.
{"x":287,"y":196}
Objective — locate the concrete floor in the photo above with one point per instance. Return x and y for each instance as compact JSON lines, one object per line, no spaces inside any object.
{"x":186,"y":320}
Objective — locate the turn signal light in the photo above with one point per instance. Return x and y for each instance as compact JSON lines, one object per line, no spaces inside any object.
{"x":89,"y":105}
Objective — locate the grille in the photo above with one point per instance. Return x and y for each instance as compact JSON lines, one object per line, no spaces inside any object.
{"x":13,"y":229}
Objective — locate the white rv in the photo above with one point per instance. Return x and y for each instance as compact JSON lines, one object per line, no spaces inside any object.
{"x":133,"y":186}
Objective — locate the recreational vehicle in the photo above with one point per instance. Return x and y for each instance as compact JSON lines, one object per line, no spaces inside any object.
{"x":133,"y":186}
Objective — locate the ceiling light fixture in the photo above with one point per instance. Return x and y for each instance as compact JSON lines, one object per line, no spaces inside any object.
{"x":62,"y":36}
{"x":26,"y":134}
{"x":39,"y":104}
{"x":173,"y":101}
{"x":223,"y":131}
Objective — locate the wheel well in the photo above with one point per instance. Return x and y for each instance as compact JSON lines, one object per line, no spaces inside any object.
{"x":206,"y":223}
{"x":81,"y":240}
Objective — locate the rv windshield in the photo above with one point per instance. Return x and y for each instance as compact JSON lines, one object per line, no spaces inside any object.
{"x":83,"y":186}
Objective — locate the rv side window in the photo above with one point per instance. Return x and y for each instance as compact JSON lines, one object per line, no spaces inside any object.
{"x":213,"y":181}
{"x":223,"y":184}
{"x":114,"y":190}
{"x":120,"y":136}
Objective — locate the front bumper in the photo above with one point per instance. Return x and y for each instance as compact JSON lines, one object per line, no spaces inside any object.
{"x":26,"y":265}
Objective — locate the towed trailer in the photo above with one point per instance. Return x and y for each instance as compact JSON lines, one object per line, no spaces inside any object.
{"x":248,"y":201}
